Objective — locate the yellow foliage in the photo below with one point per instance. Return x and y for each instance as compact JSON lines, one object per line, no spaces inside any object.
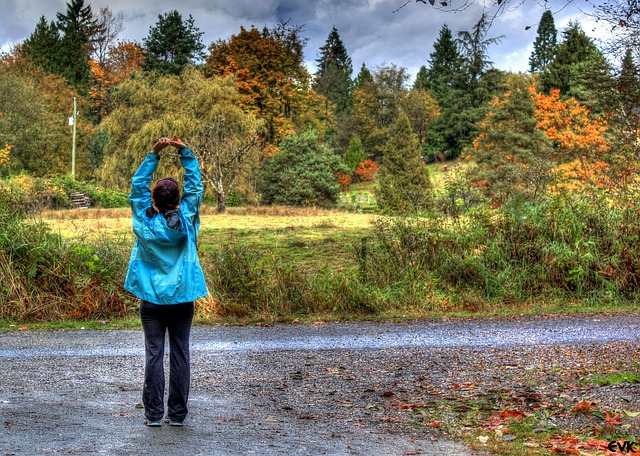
{"x":5,"y":155}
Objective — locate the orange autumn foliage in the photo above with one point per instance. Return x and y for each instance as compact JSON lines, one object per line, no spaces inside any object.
{"x":568,"y":123}
{"x":366,"y":170}
{"x":344,"y":180}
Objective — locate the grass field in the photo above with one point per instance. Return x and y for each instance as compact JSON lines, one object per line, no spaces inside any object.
{"x":312,"y":238}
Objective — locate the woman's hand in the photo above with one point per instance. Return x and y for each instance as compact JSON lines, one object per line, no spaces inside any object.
{"x":176,"y":142}
{"x":161,"y":144}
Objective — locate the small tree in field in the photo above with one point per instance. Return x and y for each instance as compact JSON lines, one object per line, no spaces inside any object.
{"x":302,"y":173}
{"x":403,"y":178}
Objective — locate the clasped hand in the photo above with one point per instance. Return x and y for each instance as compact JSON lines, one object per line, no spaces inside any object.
{"x":164,"y":142}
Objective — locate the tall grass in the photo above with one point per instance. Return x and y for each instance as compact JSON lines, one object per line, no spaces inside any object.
{"x":44,"y":277}
{"x":561,"y":249}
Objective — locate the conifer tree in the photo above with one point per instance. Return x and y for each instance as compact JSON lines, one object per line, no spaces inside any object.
{"x":576,"y":48}
{"x":512,"y":156}
{"x":422,"y":79}
{"x":544,"y":47}
{"x":444,"y":65}
{"x":42,"y":45}
{"x":172,"y":44}
{"x":363,"y":77}
{"x":333,"y":78}
{"x":404,"y":182}
{"x":77,"y":27}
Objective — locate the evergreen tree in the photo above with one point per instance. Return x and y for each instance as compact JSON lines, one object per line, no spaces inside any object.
{"x":404,"y":182}
{"x":42,"y":46}
{"x":444,"y":65}
{"x":422,"y":79}
{"x":473,"y":85}
{"x":302,"y":173}
{"x":628,"y":83}
{"x":354,"y":154}
{"x":77,"y":27}
{"x":333,"y":78}
{"x":172,"y":44}
{"x":544,"y":47}
{"x":512,"y":156}
{"x":576,"y":48}
{"x":363,"y":77}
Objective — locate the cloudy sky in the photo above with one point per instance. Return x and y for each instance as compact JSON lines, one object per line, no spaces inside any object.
{"x":375,"y":32}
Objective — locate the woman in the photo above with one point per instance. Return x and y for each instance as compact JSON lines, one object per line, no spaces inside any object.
{"x":165,"y":273}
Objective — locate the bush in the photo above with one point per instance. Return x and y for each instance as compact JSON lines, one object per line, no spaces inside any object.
{"x":574,"y":250}
{"x":45,"y":277}
{"x":303,"y":173}
{"x":36,"y":194}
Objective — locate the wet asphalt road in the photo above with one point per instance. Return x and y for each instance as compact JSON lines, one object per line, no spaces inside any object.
{"x":75,"y":392}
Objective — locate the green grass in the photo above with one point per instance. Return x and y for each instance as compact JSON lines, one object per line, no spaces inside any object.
{"x":616,"y":378}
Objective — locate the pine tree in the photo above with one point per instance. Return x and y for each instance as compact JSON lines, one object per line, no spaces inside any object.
{"x":77,"y":27}
{"x":628,"y":83}
{"x":444,"y":64}
{"x":333,"y":78}
{"x":422,"y":79}
{"x":172,"y":44}
{"x":42,"y":45}
{"x":363,"y":77}
{"x":512,"y":155}
{"x":576,"y":48}
{"x":472,"y":86}
{"x":544,"y":47}
{"x":404,"y":182}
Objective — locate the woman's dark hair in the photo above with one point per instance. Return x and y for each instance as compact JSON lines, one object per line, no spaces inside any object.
{"x":166,"y":194}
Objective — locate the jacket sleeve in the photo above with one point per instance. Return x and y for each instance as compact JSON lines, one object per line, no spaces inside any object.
{"x":193,"y":188}
{"x":140,"y":196}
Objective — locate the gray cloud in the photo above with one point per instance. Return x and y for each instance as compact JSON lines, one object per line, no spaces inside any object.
{"x":372,"y":32}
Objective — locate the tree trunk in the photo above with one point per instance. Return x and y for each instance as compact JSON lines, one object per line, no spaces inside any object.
{"x":222,"y":202}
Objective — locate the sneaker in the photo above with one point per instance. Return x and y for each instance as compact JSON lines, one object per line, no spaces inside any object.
{"x":174,"y":423}
{"x":153,"y":423}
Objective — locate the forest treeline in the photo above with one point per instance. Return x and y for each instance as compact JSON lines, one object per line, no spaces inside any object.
{"x":569,"y":123}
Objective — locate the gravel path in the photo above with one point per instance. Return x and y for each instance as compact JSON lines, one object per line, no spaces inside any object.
{"x":336,"y":389}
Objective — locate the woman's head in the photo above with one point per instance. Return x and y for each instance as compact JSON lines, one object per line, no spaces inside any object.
{"x":166,"y":194}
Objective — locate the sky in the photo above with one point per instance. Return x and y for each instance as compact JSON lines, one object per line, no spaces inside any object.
{"x":374,"y":32}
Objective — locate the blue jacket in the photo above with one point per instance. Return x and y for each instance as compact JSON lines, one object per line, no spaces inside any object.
{"x":164,"y":267}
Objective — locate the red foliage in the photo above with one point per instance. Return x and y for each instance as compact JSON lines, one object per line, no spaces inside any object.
{"x":366,"y":170}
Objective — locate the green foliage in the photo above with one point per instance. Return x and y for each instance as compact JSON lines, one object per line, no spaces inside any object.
{"x":44,"y":277}
{"x":513,"y":158}
{"x":36,"y":194}
{"x":557,"y":249}
{"x":445,"y":63}
{"x":333,"y":78}
{"x":471,"y":83}
{"x":77,"y":27}
{"x":190,"y":105}
{"x":404,"y":183}
{"x":577,"y":65}
{"x":354,"y":154}
{"x":42,"y":45}
{"x":545,"y":44}
{"x":377,"y":104}
{"x":303,"y":173}
{"x":172,"y":44}
{"x":249,"y":282}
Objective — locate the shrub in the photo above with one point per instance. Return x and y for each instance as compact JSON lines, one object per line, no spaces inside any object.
{"x":303,"y":173}
{"x":45,"y":277}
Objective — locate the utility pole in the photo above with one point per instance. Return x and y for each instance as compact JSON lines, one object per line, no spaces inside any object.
{"x":73,"y":146}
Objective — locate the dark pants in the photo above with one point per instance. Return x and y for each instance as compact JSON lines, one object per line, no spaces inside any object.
{"x":157,"y":320}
